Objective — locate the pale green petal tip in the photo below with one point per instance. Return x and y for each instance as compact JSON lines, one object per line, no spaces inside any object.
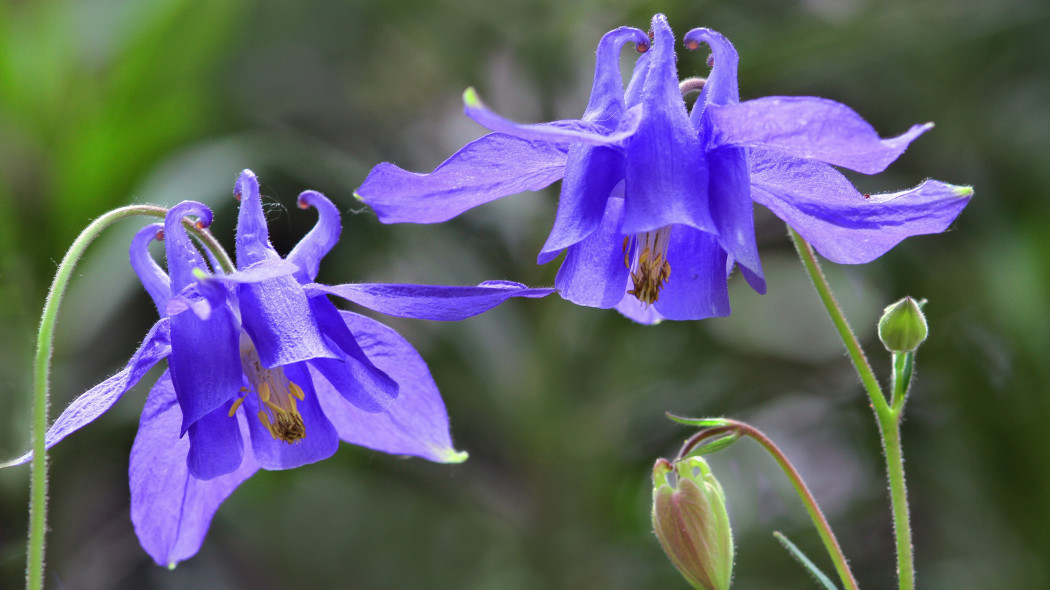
{"x":172,"y":564}
{"x":451,"y":455}
{"x":471,"y":98}
{"x":199,"y":274}
{"x":964,"y":191}
{"x":358,"y":196}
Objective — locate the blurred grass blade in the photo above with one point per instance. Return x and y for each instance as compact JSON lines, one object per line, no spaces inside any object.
{"x":806,"y":563}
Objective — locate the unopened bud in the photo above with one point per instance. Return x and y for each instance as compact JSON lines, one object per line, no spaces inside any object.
{"x":691,"y":522}
{"x":903,"y":326}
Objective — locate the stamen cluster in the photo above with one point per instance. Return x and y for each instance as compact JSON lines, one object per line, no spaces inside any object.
{"x":277,"y":396}
{"x":646,"y":258}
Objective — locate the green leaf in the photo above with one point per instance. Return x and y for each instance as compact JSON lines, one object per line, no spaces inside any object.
{"x":806,"y":563}
{"x":715,"y":444}
{"x":699,"y":422}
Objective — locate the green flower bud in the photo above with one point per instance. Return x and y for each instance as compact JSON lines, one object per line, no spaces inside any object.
{"x":903,"y":326}
{"x":690,"y":519}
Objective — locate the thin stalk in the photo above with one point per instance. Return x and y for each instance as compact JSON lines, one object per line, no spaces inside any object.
{"x":42,"y":372}
{"x":856,"y":353}
{"x":887,"y":413}
{"x":889,"y":427}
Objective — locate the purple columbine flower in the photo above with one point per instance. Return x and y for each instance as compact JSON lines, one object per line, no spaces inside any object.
{"x":655,"y":208}
{"x":264,"y":371}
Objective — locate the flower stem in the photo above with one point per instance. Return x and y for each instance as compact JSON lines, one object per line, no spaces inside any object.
{"x":831,"y":544}
{"x":889,"y":428}
{"x":856,"y":353}
{"x":42,"y":371}
{"x":887,"y":413}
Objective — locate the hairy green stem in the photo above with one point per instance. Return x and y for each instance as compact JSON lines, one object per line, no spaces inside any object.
{"x":889,"y":427}
{"x":856,"y":353}
{"x":831,"y":544}
{"x":887,"y":412}
{"x":42,"y":371}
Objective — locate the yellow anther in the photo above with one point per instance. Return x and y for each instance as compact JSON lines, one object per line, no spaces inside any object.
{"x":296,"y":390}
{"x":265,"y":419}
{"x":264,"y":391}
{"x":236,"y":405}
{"x":291,"y":402}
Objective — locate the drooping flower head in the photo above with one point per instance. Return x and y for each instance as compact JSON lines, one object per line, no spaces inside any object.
{"x":264,"y":371}
{"x":655,"y":208}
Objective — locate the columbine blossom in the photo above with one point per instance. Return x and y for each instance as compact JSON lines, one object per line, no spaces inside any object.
{"x":264,"y":371}
{"x":655,"y":208}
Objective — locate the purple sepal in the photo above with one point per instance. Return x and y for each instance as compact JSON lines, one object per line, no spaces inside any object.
{"x":842,"y":224}
{"x":567,"y":131}
{"x":170,"y":509}
{"x":96,"y":401}
{"x":429,"y":302}
{"x":416,"y":424}
{"x":591,"y":174}
{"x":484,"y":170}
{"x":355,"y":377}
{"x":594,"y":270}
{"x":811,"y":128}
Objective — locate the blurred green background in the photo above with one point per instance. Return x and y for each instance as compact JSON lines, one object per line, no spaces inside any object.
{"x":110,"y":102}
